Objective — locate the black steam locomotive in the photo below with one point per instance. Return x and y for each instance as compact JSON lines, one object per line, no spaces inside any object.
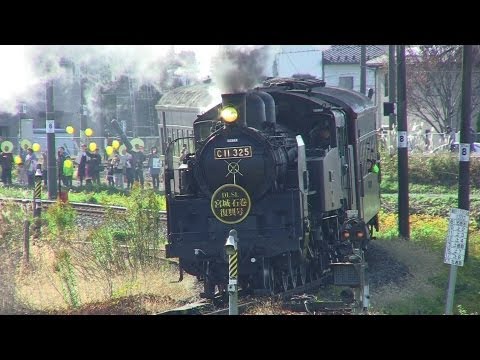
{"x":291,"y":166}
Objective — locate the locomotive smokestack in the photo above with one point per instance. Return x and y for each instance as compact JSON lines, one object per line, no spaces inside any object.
{"x":255,"y":111}
{"x":269,"y":106}
{"x":239,"y":102}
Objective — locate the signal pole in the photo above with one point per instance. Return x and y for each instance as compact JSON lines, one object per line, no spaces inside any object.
{"x":464,"y":162}
{"x":403,"y":210}
{"x":391,"y":82}
{"x":50,"y":130}
{"x":465,"y":134}
{"x":363,"y":69}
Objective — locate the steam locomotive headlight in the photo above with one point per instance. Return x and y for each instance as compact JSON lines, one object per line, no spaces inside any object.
{"x":360,"y":234}
{"x":229,"y":114}
{"x":346,"y":235}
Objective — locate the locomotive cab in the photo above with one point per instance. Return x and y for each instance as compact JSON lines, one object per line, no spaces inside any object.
{"x":178,"y":169}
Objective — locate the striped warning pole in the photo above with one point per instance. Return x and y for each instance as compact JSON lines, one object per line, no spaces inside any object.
{"x":37,"y":202}
{"x":232,"y":252}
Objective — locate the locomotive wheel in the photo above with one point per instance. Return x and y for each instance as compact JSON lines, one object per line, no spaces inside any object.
{"x":294,"y":277}
{"x":272,"y":281}
{"x":268,"y":276}
{"x":313,"y":274}
{"x":285,"y":280}
{"x":208,"y":289}
{"x":292,"y":272}
{"x":303,"y":273}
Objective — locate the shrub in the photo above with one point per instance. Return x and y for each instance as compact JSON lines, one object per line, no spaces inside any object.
{"x":60,"y":217}
{"x":65,"y":270}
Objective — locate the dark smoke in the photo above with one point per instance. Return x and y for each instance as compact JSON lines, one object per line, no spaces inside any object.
{"x":239,"y":68}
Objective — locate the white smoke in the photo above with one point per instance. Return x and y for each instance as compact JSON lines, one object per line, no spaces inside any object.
{"x":15,"y":76}
{"x":24,"y":69}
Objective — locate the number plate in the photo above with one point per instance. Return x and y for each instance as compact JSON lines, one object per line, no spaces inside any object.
{"x":237,"y":152}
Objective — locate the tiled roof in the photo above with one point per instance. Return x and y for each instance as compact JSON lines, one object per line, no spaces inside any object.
{"x":350,"y":54}
{"x":190,"y":96}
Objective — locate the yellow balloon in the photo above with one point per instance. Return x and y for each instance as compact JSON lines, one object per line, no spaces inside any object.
{"x":68,"y":163}
{"x":92,"y":146}
{"x":18,"y":160}
{"x":88,"y":132}
{"x":137,"y":141}
{"x":36,"y":147}
{"x":25,"y":142}
{"x":116,"y":144}
{"x":109,"y":150}
{"x":70,"y":130}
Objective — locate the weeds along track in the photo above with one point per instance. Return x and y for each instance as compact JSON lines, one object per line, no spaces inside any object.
{"x":83,"y":209}
{"x":96,"y":213}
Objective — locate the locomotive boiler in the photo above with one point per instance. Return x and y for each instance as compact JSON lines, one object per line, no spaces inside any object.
{"x":292,"y":166}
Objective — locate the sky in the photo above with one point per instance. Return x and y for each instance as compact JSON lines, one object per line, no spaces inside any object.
{"x":304,"y":59}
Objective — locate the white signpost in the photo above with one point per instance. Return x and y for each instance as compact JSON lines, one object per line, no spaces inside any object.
{"x":455,"y":249}
{"x":457,"y":237}
{"x":50,"y":126}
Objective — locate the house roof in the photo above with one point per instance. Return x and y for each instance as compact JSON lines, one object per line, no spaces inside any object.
{"x":379,"y":61}
{"x":350,"y":54}
{"x":195,"y":97}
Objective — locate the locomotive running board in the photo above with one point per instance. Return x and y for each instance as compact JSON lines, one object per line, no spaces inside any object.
{"x":303,"y":187}
{"x":302,"y":175}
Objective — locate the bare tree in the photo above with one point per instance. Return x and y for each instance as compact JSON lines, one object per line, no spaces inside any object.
{"x":434,"y":81}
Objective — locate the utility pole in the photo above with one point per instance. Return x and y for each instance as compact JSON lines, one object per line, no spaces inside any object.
{"x":464,"y":163}
{"x":50,"y":130}
{"x":403,"y":210}
{"x":275,"y":66}
{"x":164,"y":128}
{"x":465,"y":133}
{"x":363,"y":69}
{"x":22,"y":115}
{"x":83,"y":108}
{"x":391,"y":82}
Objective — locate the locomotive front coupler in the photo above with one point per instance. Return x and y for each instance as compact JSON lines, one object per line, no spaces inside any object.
{"x":200,"y":254}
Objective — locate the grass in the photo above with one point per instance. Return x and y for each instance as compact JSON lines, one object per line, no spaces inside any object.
{"x":39,"y":289}
{"x":101,"y":195}
{"x":425,"y":292}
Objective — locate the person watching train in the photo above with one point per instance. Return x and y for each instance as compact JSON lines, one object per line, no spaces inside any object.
{"x":154,"y":164}
{"x":67,"y":173}
{"x":60,"y":161}
{"x":129,"y":168}
{"x":6,"y":158}
{"x":118,"y":162}
{"x":138,"y":157}
{"x":30,"y":166}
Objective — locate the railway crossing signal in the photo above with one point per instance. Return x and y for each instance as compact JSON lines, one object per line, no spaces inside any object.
{"x":231,"y":249}
{"x":37,"y":200}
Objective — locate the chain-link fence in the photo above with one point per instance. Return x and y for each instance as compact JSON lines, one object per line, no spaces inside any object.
{"x":425,"y":143}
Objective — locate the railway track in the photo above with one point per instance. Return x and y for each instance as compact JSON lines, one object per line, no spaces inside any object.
{"x":297,"y":300}
{"x":81,"y":208}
